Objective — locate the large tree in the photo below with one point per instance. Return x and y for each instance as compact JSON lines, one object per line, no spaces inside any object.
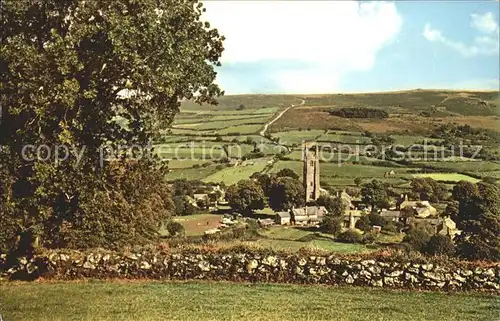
{"x":84,"y":75}
{"x":428,"y":189}
{"x":375,"y":194}
{"x":285,"y":193}
{"x":478,"y":218}
{"x":246,"y":196}
{"x":332,"y":222}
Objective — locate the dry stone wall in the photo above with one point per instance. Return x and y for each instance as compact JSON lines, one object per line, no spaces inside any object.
{"x":258,"y":267}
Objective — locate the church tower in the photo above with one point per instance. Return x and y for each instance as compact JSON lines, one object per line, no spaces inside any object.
{"x":311,"y":171}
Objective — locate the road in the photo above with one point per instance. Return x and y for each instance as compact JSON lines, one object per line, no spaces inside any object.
{"x":266,"y":126}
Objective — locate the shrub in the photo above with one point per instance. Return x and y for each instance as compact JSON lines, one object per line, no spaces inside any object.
{"x":369,"y":238}
{"x":239,"y":231}
{"x":175,"y":228}
{"x":390,"y":227}
{"x":377,"y":219}
{"x":332,"y":225}
{"x":364,"y":223}
{"x":350,"y":236}
{"x":417,"y":237}
{"x":440,"y":245}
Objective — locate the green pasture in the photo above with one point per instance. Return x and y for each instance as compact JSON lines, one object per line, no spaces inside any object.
{"x":153,"y":300}
{"x":191,"y":173}
{"x":467,"y":166}
{"x":448,"y":177}
{"x":297,"y":136}
{"x":242,"y":129}
{"x":344,"y":138}
{"x":232,"y":175}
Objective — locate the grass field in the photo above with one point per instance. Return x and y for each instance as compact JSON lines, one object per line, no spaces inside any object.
{"x":467,"y":166}
{"x":197,"y":224}
{"x":230,"y":301}
{"x":448,"y":177}
{"x":331,"y":170}
{"x":191,"y":173}
{"x":292,"y":239}
{"x":297,"y":136}
{"x":326,"y":245}
{"x":232,"y":175}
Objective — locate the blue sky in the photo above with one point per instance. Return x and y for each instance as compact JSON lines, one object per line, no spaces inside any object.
{"x":326,"y":46}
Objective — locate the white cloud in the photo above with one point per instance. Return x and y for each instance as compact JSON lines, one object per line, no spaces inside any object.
{"x":320,"y":41}
{"x":485,"y":23}
{"x":485,"y":44}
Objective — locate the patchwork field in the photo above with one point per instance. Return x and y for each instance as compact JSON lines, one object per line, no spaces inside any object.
{"x":233,"y":128}
{"x":228,"y":301}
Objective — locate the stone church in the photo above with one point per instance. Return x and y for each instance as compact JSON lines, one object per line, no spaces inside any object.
{"x":311,"y":171}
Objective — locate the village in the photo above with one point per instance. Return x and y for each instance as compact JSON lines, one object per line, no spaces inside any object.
{"x":396,"y":217}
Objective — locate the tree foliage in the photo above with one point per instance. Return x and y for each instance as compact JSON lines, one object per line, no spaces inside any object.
{"x":183,"y":206}
{"x":478,"y":218}
{"x":86,"y":75}
{"x":440,"y":245}
{"x":175,"y":228}
{"x":332,"y":221}
{"x":350,"y":236}
{"x":428,"y":189}
{"x":375,"y":194}
{"x":285,"y":193}
{"x":359,"y":112}
{"x":287,"y":172}
{"x":246,"y":196}
{"x":418,"y":235}
{"x":334,"y":205}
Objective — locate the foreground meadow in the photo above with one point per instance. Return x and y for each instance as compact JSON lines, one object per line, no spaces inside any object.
{"x":228,"y":301}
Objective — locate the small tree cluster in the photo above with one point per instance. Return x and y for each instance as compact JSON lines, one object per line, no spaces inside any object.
{"x":428,"y":189}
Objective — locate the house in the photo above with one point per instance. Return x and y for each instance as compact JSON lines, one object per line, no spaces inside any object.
{"x":308,"y":215}
{"x":392,"y":215}
{"x":266,"y":222}
{"x":219,"y":193}
{"x":442,"y":226}
{"x":201,"y":197}
{"x":190,"y":200}
{"x":447,"y":227}
{"x":351,"y":217}
{"x":212,"y":231}
{"x":346,"y":200}
{"x":424,"y":209}
{"x":283,"y":218}
{"x":421,"y":209}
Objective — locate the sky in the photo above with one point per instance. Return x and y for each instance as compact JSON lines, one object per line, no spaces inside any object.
{"x":350,"y":46}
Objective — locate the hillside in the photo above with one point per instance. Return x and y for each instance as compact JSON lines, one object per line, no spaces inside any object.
{"x":206,"y":135}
